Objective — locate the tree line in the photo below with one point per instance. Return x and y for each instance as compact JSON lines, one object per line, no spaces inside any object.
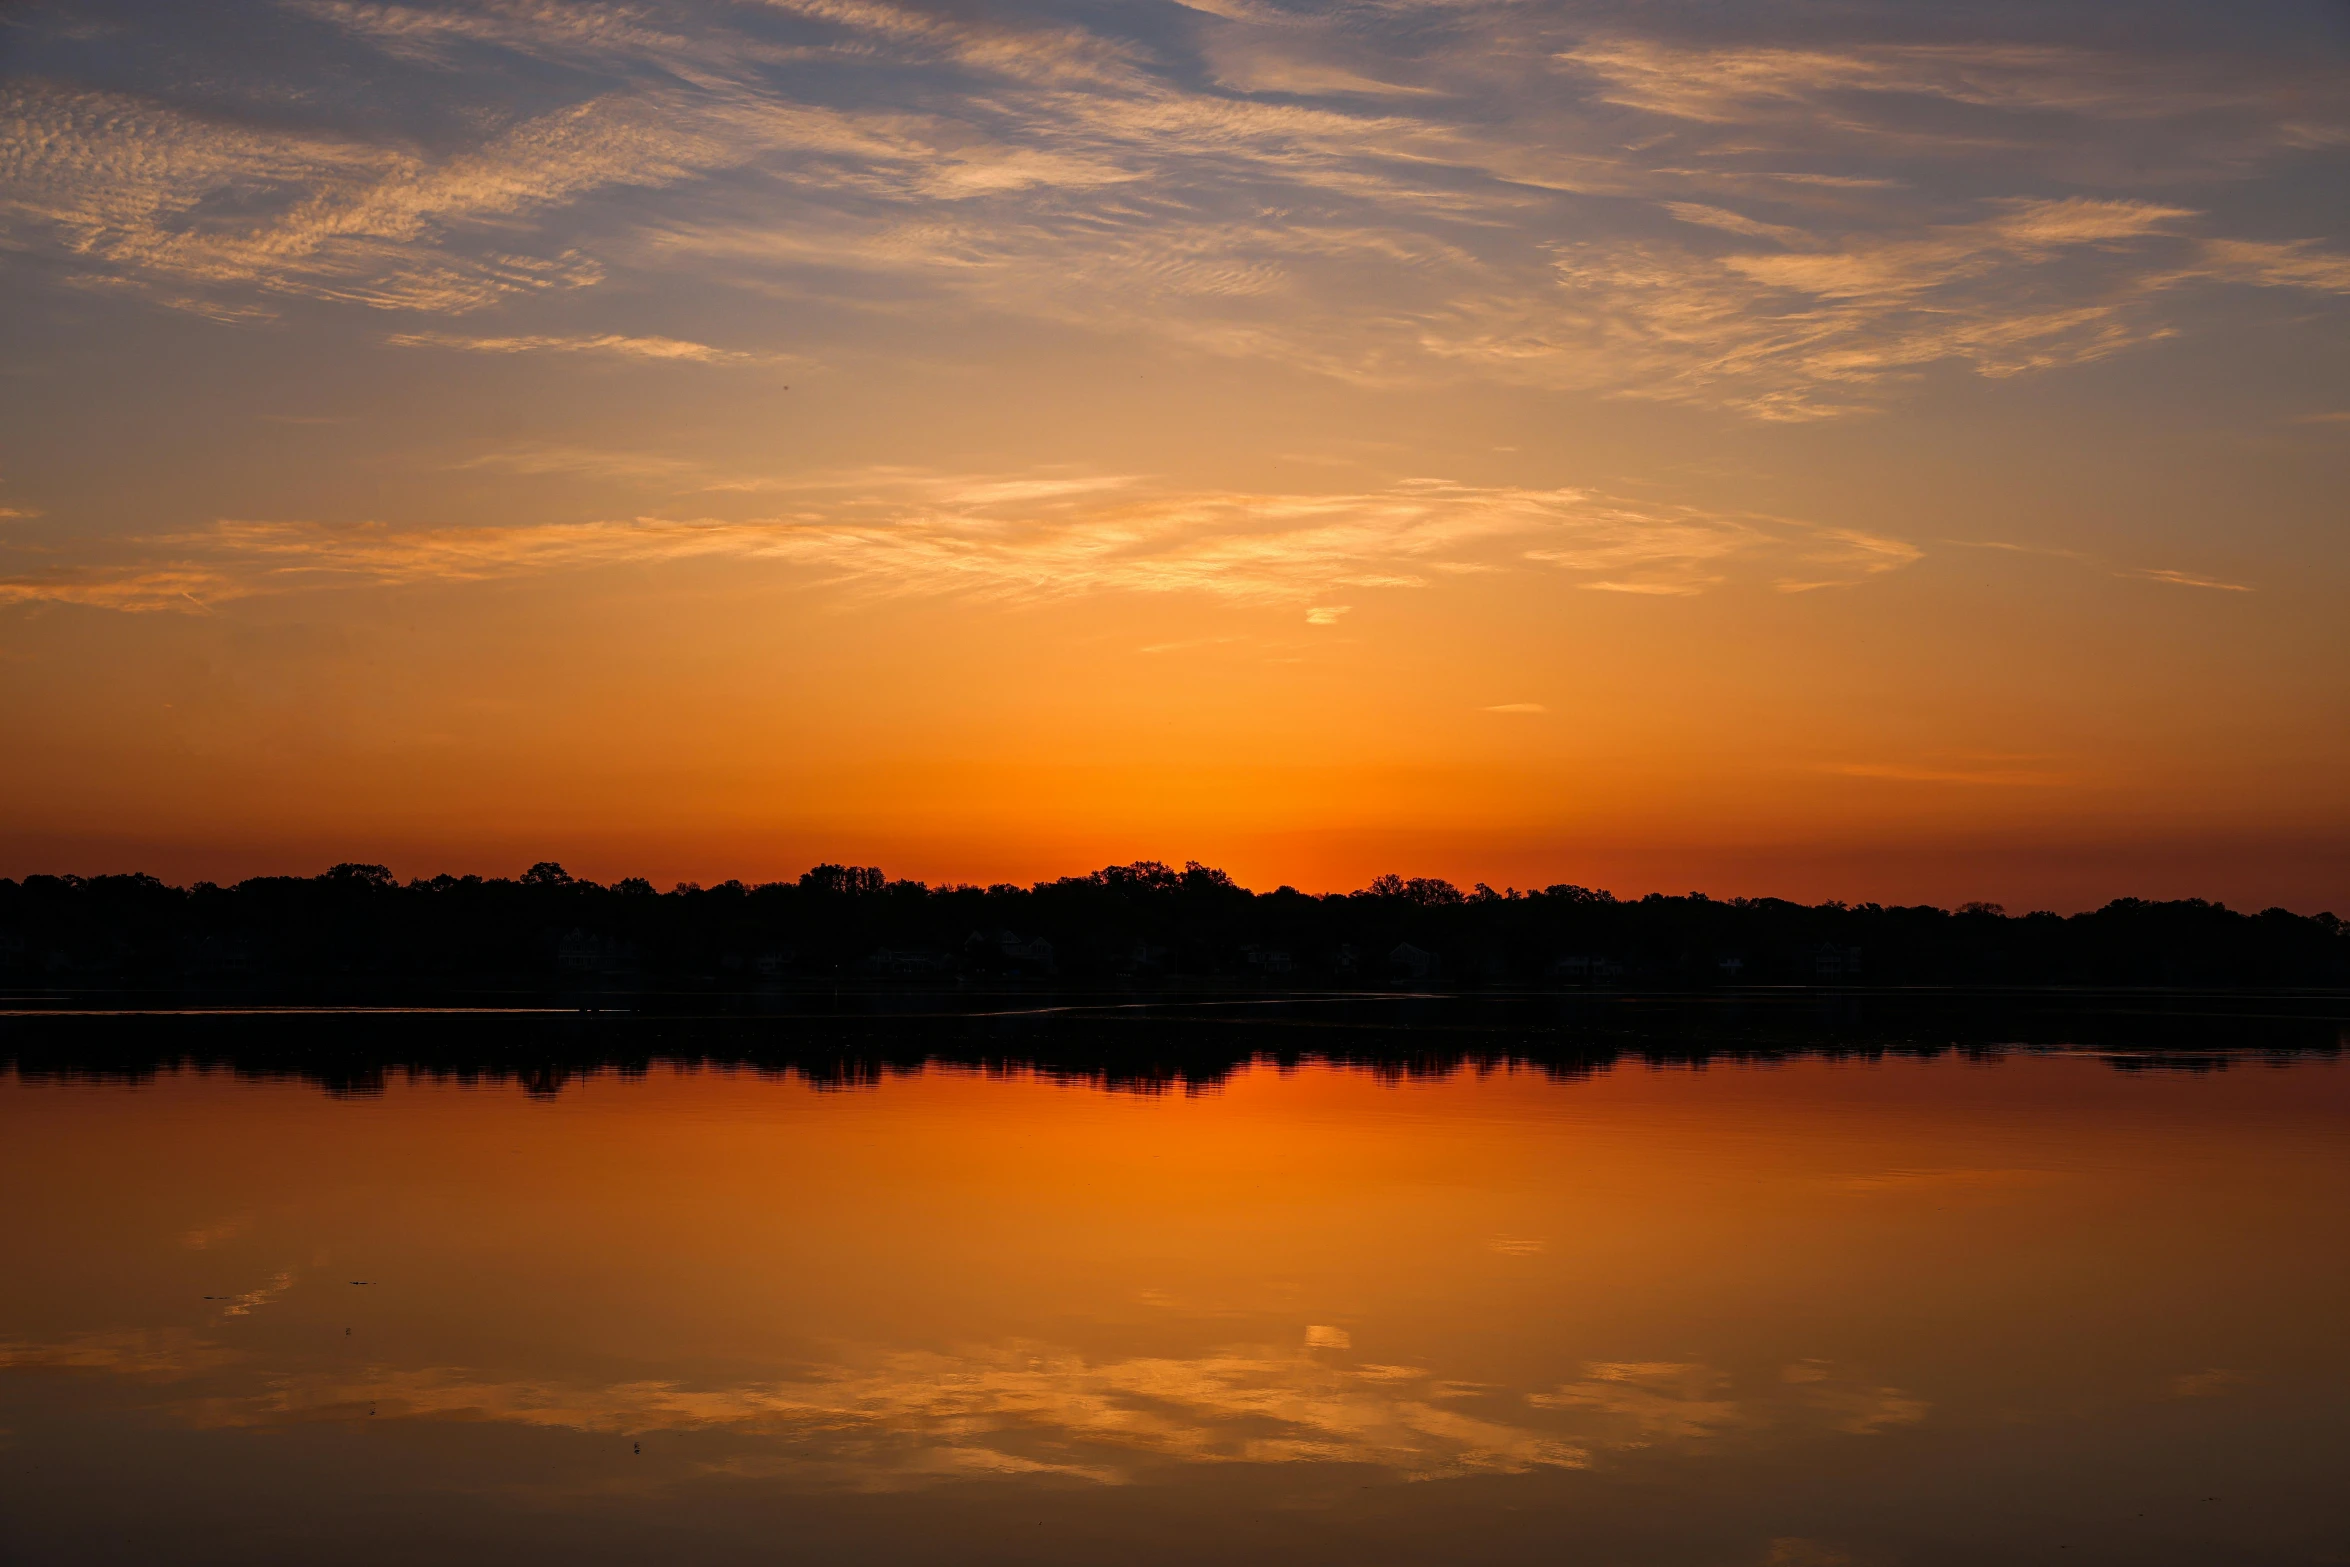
{"x":359,"y":928}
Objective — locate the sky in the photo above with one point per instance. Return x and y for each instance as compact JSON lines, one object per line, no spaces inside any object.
{"x":1862,"y":450}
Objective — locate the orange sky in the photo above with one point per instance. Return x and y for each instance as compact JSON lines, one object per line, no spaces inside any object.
{"x":1898,"y":457}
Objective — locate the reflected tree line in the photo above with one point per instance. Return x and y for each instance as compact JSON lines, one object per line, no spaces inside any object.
{"x":358,"y":932}
{"x":1172,"y":1044}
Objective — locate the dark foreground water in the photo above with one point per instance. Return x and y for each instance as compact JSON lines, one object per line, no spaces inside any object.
{"x":1950,"y":1307}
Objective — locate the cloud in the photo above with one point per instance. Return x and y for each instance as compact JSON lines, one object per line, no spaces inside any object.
{"x":1420,"y":201}
{"x":908,"y":1419}
{"x":1738,"y":85}
{"x":1734,"y":223}
{"x":1805,"y":334}
{"x":1031,"y":536}
{"x":2188,"y":579}
{"x":2184,"y":579}
{"x":139,"y":1354}
{"x":586,"y":463}
{"x":1680,"y":1404}
{"x":1046,"y":56}
{"x":252,"y":1300}
{"x":2270,"y":264}
{"x":204,"y":1237}
{"x":883,"y":1420}
{"x":125,"y":185}
{"x":654,"y":348}
{"x":1651,"y":1402}
{"x":1516,"y":707}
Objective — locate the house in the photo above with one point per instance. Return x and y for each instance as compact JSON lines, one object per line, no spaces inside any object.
{"x":908,"y":963}
{"x":1142,"y":957}
{"x":1833,"y":962}
{"x":1036,"y":954}
{"x":1410,"y":964}
{"x":1038,"y":951}
{"x":583,"y":952}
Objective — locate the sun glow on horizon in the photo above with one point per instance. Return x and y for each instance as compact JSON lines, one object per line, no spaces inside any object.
{"x":1893,"y":456}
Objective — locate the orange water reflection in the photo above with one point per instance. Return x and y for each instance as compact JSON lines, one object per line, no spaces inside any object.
{"x":1809,"y":1312}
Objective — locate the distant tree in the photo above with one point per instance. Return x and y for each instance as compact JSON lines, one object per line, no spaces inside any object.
{"x":1142,"y":918}
{"x":846,"y":880}
{"x":1141,"y":876}
{"x":1427,"y":891}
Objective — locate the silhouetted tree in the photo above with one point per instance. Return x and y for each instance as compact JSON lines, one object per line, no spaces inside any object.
{"x":355,"y":927}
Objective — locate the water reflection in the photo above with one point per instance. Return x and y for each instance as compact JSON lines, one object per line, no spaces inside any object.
{"x":1809,"y":1310}
{"x":885,"y":1420}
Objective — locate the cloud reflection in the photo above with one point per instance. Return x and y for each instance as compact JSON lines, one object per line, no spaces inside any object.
{"x":1020,"y":1408}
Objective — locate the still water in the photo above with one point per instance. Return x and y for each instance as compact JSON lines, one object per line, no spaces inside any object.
{"x":2022,"y":1307}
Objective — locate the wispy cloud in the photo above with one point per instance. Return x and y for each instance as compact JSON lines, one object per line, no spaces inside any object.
{"x":2184,"y":579}
{"x":1350,"y":196}
{"x":206,"y":1236}
{"x":1809,"y":332}
{"x":1737,"y":85}
{"x":586,"y":462}
{"x":1013,"y":537}
{"x":655,"y":348}
{"x":2189,"y":579}
{"x":886,"y":1420}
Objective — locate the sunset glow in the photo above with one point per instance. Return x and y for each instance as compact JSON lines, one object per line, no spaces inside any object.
{"x":1883,"y":453}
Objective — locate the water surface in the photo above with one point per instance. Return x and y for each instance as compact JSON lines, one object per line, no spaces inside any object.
{"x":2016,"y":1307}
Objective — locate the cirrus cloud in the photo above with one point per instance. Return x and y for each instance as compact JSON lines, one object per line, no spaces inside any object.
{"x":1019,"y":537}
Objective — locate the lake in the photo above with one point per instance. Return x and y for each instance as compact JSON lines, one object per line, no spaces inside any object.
{"x":1335,"y":1302}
